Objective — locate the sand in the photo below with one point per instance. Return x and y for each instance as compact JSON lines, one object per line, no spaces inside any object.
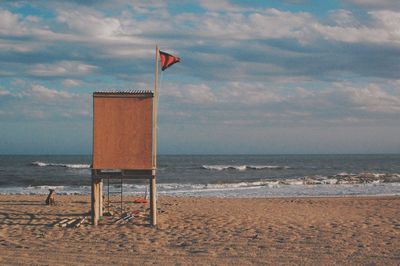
{"x":205,"y":231}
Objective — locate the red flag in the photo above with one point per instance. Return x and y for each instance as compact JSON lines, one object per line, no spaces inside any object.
{"x":167,"y":60}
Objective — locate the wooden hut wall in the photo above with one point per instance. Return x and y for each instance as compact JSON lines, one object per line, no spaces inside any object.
{"x":122,"y":132}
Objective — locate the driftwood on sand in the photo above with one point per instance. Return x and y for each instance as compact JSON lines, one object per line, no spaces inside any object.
{"x":71,"y":222}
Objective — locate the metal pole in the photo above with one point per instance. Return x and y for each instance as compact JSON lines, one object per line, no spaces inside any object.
{"x":153,"y":199}
{"x":155,"y":111}
{"x":121,"y":195}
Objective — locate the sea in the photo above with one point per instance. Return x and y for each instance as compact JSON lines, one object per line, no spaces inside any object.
{"x":214,"y":175}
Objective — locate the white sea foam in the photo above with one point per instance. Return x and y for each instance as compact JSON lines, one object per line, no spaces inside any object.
{"x":78,"y":166}
{"x":73,"y":166}
{"x":242,"y":167}
{"x":224,"y":167}
{"x":262,"y":189}
{"x":39,"y":164}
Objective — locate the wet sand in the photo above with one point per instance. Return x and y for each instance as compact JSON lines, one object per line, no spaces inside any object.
{"x":204,"y":231}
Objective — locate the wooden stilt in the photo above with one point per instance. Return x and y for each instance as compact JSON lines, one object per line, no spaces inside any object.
{"x":92,"y":202}
{"x":153,"y":200}
{"x":95,"y":202}
{"x":96,"y":194}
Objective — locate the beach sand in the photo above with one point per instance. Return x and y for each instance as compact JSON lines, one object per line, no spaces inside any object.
{"x":205,"y":231}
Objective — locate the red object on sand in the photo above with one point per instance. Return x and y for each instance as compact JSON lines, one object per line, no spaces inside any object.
{"x":141,"y":201}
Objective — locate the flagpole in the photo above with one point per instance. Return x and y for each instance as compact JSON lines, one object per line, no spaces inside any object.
{"x":155,"y":100}
{"x":153,"y":198}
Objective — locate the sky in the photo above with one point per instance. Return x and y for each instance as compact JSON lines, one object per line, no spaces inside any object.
{"x":255,"y":77}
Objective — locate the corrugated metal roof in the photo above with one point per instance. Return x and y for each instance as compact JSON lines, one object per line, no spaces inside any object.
{"x":119,"y":92}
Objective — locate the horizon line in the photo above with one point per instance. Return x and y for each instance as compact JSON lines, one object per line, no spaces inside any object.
{"x":201,"y":154}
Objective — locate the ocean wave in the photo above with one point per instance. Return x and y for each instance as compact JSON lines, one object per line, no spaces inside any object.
{"x":265,"y":188}
{"x":350,"y":178}
{"x":242,"y":167}
{"x":368,"y":177}
{"x":73,"y":166}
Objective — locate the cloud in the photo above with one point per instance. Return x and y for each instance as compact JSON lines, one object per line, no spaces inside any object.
{"x":191,"y":94}
{"x":16,"y":25}
{"x":71,"y":83}
{"x":39,"y":102}
{"x":383,"y":29}
{"x":8,"y":22}
{"x":343,"y":18}
{"x":256,"y":63}
{"x":222,"y":5}
{"x":255,"y":25}
{"x":376,"y":4}
{"x":256,"y":104}
{"x":372,"y":99}
{"x":91,"y":24}
{"x":43,"y":92}
{"x":62,"y":69}
{"x":231,"y":93}
{"x":236,"y":44}
{"x":4,"y":92}
{"x":200,"y":94}
{"x":251,"y":94}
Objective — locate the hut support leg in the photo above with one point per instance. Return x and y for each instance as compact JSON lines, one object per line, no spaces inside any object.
{"x":95,"y":202}
{"x":153,"y":205}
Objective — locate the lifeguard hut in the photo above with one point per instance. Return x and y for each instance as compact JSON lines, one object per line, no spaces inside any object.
{"x":123,"y":143}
